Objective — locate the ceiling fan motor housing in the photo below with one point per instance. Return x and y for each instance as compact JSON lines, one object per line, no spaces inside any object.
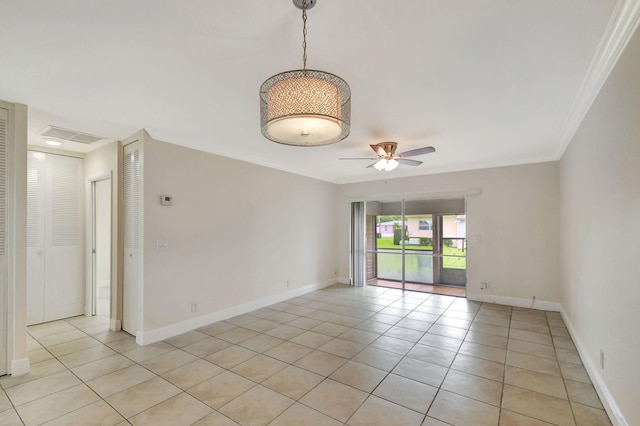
{"x":386,"y":149}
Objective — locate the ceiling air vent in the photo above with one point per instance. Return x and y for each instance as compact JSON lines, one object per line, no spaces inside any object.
{"x":69,"y":135}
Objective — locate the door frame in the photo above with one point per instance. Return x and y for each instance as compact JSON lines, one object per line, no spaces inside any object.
{"x":132,"y":280}
{"x":90,"y":304}
{"x":437,"y":216}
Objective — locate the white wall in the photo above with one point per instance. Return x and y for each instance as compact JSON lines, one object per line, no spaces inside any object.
{"x":600,"y":209}
{"x":16,"y":302}
{"x":237,"y":233}
{"x":512,"y":226}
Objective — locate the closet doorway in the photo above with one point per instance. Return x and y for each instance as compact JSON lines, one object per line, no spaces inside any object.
{"x":55,"y":237}
{"x":4,"y":218}
{"x":101,"y":246}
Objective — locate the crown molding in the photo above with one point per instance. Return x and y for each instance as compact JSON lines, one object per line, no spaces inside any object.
{"x":622,"y":25}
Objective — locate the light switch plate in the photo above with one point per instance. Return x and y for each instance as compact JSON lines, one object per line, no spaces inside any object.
{"x":162,"y":244}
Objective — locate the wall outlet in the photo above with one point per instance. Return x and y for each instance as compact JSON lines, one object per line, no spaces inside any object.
{"x":601,"y":359}
{"x":194,"y":307}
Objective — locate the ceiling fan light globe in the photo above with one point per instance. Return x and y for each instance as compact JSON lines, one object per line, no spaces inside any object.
{"x":381,"y":164}
{"x":391,"y":164}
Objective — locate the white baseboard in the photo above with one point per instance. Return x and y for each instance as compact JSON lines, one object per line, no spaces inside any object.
{"x":115,"y":325}
{"x":344,"y":280}
{"x":157,"y":335}
{"x":20,"y":367}
{"x":609,"y":403}
{"x":516,"y":301}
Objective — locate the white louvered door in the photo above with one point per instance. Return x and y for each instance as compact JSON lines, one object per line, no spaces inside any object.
{"x":133,"y":226}
{"x":35,"y":237}
{"x":4,"y":124}
{"x":64,"y":269}
{"x":55,"y":262}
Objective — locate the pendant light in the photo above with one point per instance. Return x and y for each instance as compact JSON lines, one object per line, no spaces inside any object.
{"x":305,"y":107}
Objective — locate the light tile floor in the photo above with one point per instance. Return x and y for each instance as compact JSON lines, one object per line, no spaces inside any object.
{"x":429,"y":288}
{"x":342,"y":355}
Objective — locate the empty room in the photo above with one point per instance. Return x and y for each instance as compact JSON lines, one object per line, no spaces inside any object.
{"x":317,"y":212}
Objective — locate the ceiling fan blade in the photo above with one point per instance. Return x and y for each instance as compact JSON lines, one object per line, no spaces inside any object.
{"x":408,"y":162}
{"x":372,"y":164}
{"x":419,"y":151}
{"x":357,"y":158}
{"x":379,"y":149}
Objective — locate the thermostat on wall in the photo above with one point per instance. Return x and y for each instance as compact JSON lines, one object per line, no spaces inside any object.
{"x":165,"y":200}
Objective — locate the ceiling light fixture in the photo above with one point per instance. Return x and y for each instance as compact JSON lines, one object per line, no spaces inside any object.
{"x":52,"y":143}
{"x":305,"y":107}
{"x":386,"y":165}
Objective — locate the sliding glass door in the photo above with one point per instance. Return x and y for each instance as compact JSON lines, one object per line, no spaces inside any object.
{"x":401,"y":253}
{"x":412,"y":244}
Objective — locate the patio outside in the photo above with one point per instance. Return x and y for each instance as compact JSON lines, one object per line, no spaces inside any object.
{"x":418,"y":244}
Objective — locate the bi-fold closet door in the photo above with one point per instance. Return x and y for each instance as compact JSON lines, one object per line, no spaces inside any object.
{"x":55,"y":261}
{"x":4,"y":272}
{"x":133,"y":238}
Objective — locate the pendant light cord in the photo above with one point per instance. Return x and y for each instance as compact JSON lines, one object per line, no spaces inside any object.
{"x":304,"y":34}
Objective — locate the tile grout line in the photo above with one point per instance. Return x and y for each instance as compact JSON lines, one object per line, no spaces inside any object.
{"x":504,"y":372}
{"x":564,"y":380}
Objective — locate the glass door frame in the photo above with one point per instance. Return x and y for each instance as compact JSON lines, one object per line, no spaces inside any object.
{"x":373,"y":253}
{"x":437,"y":254}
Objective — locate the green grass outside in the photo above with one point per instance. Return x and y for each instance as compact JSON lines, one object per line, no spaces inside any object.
{"x":387,"y":243}
{"x":447,"y":262}
{"x":454,"y":262}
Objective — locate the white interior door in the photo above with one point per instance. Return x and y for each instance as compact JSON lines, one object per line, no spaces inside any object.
{"x":4,"y":124}
{"x":55,"y":262}
{"x":132,"y":269}
{"x":35,"y":237}
{"x":64,"y":265}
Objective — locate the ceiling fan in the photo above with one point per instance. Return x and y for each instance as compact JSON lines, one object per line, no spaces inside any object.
{"x":388,"y":159}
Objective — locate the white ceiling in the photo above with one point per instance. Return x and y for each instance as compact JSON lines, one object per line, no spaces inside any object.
{"x":486,"y":82}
